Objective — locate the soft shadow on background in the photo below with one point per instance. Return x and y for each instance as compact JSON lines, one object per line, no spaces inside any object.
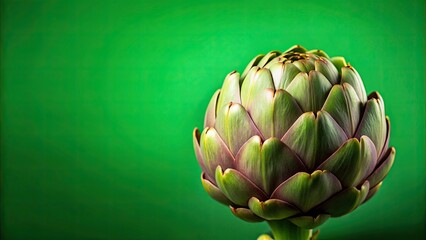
{"x":99,"y":99}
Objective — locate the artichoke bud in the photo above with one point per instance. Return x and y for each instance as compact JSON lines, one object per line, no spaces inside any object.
{"x":294,"y":137}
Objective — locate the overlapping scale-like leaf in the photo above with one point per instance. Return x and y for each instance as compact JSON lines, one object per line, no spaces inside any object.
{"x":268,"y":57}
{"x":257,"y":80}
{"x":272,"y":209}
{"x":214,"y":191}
{"x":235,"y":126}
{"x":214,"y":152}
{"x":267,"y":164}
{"x":310,"y":90}
{"x":345,"y":201}
{"x":345,"y":107}
{"x":373,"y":191}
{"x":352,"y":162}
{"x":318,"y":52}
{"x":386,"y":145}
{"x":283,"y":74}
{"x":314,"y":138}
{"x":274,"y":112}
{"x":296,"y":48}
{"x":339,"y":62}
{"x":383,"y":167}
{"x":251,"y":64}
{"x":305,"y":65}
{"x":236,"y":187}
{"x":210,"y":117}
{"x":306,"y":191}
{"x":245,"y":214}
{"x":196,"y":143}
{"x":351,"y":76}
{"x":326,"y":67}
{"x":373,"y":123}
{"x":230,"y":91}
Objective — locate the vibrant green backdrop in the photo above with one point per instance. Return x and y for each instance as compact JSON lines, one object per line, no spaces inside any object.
{"x":99,"y":99}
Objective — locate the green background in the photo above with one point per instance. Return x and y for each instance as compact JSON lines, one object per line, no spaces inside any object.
{"x":99,"y":100}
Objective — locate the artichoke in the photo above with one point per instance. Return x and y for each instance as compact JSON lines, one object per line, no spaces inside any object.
{"x":294,"y":140}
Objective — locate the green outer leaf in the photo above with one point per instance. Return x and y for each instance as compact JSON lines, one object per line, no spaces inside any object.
{"x":328,"y":137}
{"x":214,"y":151}
{"x":290,"y":71}
{"x":383,"y":169}
{"x":296,"y":48}
{"x":386,"y":145}
{"x":268,"y":165}
{"x":210,"y":117}
{"x":373,"y":124}
{"x":300,"y":138}
{"x":269,"y":56}
{"x":274,"y":112}
{"x":256,"y":81}
{"x":306,"y":191}
{"x":372,"y":192}
{"x":345,"y":201}
{"x":339,"y":62}
{"x":310,"y":91}
{"x":352,"y":162}
{"x":309,"y":222}
{"x":230,"y":91}
{"x":277,"y":71}
{"x":236,"y":187}
{"x":262,"y":112}
{"x":245,"y":214}
{"x":319,"y":53}
{"x":314,"y":139}
{"x":251,"y":64}
{"x":286,"y":112}
{"x":235,"y":126}
{"x":351,"y":76}
{"x":213,"y":191}
{"x":278,"y":163}
{"x":326,"y":67}
{"x":196,"y":143}
{"x":247,"y":160}
{"x":345,"y":107}
{"x":305,"y":65}
{"x":272,"y":209}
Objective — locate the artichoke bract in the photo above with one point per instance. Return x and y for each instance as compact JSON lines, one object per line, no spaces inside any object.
{"x":294,"y":140}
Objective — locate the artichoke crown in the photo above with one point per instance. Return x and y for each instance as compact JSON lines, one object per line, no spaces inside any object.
{"x":294,"y":137}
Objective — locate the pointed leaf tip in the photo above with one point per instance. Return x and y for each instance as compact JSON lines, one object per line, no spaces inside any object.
{"x":210,"y":117}
{"x":306,"y":191}
{"x":213,"y":191}
{"x":237,"y":187}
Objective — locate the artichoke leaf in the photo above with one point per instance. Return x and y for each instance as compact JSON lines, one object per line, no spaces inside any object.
{"x":245,"y":214}
{"x":230,"y":91}
{"x":213,"y":191}
{"x":267,"y":164}
{"x":306,"y":191}
{"x":210,"y":117}
{"x":272,"y":209}
{"x":382,"y":170}
{"x":345,"y":201}
{"x":326,"y":67}
{"x":214,"y":152}
{"x":236,"y":187}
{"x":235,"y":126}
{"x":351,"y":76}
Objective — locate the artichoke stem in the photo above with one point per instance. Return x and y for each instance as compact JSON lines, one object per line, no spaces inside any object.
{"x":285,"y":230}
